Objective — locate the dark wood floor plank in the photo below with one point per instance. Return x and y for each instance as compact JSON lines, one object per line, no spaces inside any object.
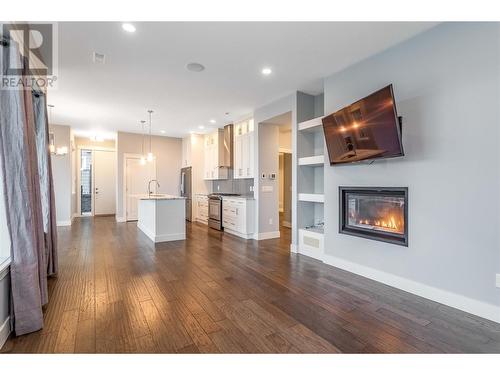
{"x":117,"y":292}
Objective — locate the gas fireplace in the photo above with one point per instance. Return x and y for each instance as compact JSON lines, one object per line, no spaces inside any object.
{"x":375,"y":213}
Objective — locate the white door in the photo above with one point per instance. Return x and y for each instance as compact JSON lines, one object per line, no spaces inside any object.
{"x":104,"y":182}
{"x":136,"y":184}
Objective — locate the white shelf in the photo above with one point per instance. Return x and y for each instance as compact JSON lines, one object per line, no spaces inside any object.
{"x":320,"y":231}
{"x":318,"y":198}
{"x":313,"y":161}
{"x":311,"y":125}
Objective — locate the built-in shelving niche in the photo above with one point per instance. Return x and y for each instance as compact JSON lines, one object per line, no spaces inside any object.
{"x":310,"y":185}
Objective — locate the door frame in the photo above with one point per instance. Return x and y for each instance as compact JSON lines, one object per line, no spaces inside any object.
{"x":124,"y":182}
{"x":79,"y":175}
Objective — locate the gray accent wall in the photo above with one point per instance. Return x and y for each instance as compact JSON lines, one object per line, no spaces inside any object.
{"x":446,"y":83}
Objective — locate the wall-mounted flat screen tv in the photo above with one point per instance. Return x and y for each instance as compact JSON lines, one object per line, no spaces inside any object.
{"x":365,"y":130}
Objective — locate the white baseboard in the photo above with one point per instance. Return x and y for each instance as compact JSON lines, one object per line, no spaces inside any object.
{"x":242,"y":235}
{"x":120,"y":219}
{"x":472,"y":306}
{"x":267,"y":235}
{"x":293,"y":248}
{"x":4,"y":331}
{"x":162,"y":237}
{"x":65,"y":223}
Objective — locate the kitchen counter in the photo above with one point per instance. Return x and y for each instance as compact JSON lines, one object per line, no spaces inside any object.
{"x":244,"y":197}
{"x":159,"y":197}
{"x":162,"y":217}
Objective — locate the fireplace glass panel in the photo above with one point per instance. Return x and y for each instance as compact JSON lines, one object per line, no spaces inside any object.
{"x":385,"y":214}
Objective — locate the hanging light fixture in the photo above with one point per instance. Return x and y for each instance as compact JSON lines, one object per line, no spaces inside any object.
{"x":150,"y":153}
{"x":143,"y":158}
{"x":52,"y":143}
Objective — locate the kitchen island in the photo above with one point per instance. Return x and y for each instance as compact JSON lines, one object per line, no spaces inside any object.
{"x":162,"y":217}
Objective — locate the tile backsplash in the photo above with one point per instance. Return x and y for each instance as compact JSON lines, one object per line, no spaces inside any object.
{"x":237,"y":186}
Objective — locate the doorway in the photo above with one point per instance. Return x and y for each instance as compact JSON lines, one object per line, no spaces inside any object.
{"x":285,"y":189}
{"x":86,"y":182}
{"x":97,"y":181}
{"x":275,"y":169}
{"x":137,"y":176}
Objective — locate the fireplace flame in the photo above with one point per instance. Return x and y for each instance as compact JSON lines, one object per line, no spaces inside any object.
{"x":389,"y":223}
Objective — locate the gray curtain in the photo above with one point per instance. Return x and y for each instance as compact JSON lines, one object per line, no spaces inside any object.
{"x":46,"y":181}
{"x":23,"y":204}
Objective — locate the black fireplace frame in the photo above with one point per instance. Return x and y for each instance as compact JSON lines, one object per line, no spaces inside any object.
{"x":372,"y":235}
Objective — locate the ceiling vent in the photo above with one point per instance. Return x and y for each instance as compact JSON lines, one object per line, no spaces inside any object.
{"x":98,"y":58}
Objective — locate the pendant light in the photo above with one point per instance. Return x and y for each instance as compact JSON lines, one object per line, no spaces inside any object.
{"x":143,"y":158}
{"x":150,"y":153}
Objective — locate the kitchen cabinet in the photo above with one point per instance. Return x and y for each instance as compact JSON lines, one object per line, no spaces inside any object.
{"x":243,"y":155}
{"x":214,"y":156}
{"x":201,"y":202}
{"x":238,"y":216}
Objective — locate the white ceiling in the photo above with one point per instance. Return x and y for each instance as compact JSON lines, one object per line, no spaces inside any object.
{"x":146,"y":69}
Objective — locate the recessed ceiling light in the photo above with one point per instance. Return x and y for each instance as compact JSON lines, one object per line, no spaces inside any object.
{"x":212,"y":121}
{"x":162,"y":131}
{"x":128,"y":27}
{"x":266,"y":71}
{"x":195,"y":67}
{"x":201,"y":127}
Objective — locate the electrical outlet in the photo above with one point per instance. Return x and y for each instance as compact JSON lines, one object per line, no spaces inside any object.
{"x":498,"y":280}
{"x":271,"y":221}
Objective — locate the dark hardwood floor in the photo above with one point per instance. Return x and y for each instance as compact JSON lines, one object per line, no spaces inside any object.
{"x":118,"y":293}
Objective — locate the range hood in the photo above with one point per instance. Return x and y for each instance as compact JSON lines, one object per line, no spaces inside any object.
{"x":227,"y":160}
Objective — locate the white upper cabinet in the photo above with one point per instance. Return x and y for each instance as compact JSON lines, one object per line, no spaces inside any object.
{"x":214,"y":156}
{"x":243,"y":154}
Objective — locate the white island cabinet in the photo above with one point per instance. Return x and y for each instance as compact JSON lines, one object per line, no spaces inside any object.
{"x":162,"y":217}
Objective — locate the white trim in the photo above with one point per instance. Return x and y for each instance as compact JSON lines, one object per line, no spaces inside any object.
{"x":64,"y":223}
{"x":293,"y":248}
{"x":124,"y":180}
{"x":472,"y":306}
{"x":161,"y":237}
{"x":4,"y":331}
{"x":238,"y":234}
{"x":267,"y":235}
{"x":120,"y":219}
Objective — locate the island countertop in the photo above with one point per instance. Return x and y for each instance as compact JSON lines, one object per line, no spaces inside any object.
{"x":160,"y":197}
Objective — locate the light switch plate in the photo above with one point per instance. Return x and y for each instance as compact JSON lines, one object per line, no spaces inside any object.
{"x":498,"y":280}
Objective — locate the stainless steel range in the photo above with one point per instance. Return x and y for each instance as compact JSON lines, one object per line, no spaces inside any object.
{"x":215,"y":209}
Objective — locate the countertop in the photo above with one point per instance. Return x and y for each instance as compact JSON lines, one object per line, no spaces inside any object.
{"x":160,"y":197}
{"x":244,"y":197}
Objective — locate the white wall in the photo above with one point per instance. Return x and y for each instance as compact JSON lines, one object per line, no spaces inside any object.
{"x":61,"y":170}
{"x":265,"y":208}
{"x":285,"y":140}
{"x":168,"y":153}
{"x":446,"y":84}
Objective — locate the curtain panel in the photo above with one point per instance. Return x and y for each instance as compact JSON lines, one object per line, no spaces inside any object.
{"x":28,"y":189}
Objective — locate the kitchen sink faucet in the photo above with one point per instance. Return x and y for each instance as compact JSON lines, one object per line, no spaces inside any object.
{"x":149,"y":187}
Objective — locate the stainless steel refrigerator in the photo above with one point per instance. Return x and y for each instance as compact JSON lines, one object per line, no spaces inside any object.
{"x":186,"y":192}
